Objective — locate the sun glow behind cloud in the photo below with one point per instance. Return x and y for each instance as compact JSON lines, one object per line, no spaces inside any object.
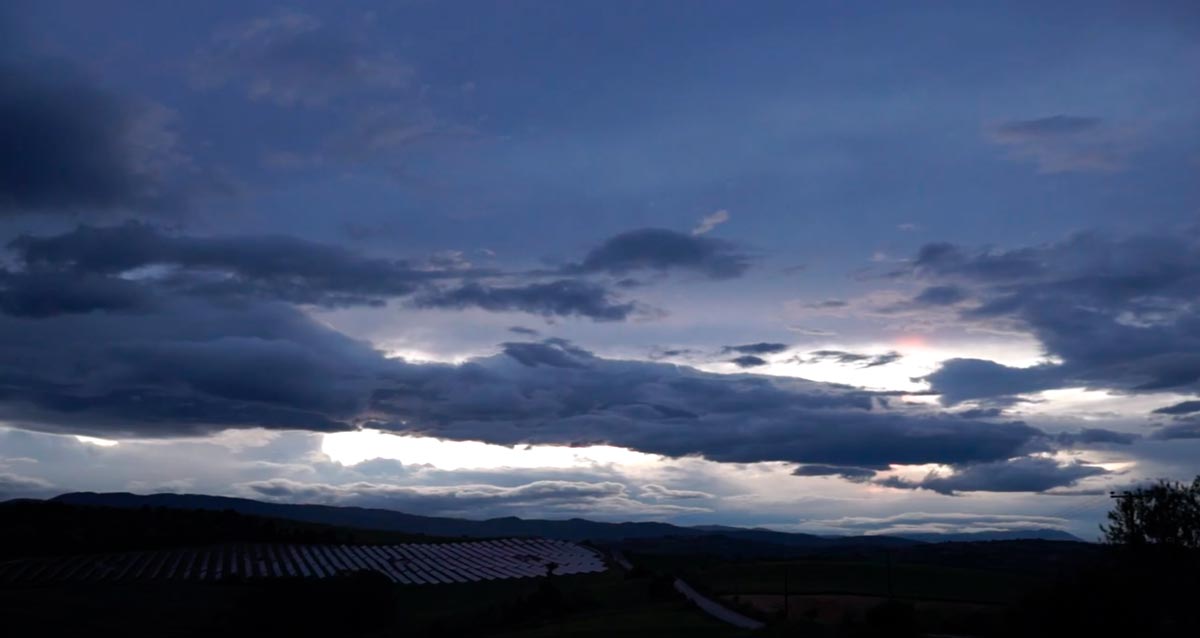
{"x":919,"y":357}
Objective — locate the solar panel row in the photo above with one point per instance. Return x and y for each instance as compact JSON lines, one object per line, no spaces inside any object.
{"x":408,"y":564}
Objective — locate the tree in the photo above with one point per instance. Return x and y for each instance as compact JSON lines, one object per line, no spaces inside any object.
{"x":1166,"y":514}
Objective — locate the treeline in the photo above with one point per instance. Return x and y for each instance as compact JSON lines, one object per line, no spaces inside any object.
{"x":46,"y":528}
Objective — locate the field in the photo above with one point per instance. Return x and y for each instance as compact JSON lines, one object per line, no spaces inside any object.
{"x":836,"y":593}
{"x":908,"y":581}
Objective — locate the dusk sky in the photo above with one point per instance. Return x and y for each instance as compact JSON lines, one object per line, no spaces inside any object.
{"x":829,"y":267}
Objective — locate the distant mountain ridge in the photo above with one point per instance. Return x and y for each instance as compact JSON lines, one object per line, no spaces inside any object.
{"x":1045,"y":534}
{"x":575,"y":529}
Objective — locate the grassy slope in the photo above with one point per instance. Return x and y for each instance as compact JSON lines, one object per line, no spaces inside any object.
{"x":914,"y":581}
{"x":626,"y":607}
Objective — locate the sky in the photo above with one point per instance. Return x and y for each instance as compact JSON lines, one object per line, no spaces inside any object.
{"x":828,"y":267}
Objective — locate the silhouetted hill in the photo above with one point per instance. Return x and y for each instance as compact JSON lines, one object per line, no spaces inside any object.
{"x":575,"y":529}
{"x":1010,"y":535}
{"x":49,"y":528}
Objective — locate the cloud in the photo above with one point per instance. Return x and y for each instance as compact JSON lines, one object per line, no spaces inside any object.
{"x":659,"y":492}
{"x":188,"y":366}
{"x":940,"y":296}
{"x":677,"y":411}
{"x":940,"y":522}
{"x":848,"y":473}
{"x":1182,"y":429}
{"x":828,"y":304}
{"x":45,"y":294}
{"x":69,"y":146}
{"x":1092,"y":436}
{"x":1109,"y":313}
{"x":522,"y":330}
{"x":562,"y":297}
{"x":78,"y":272}
{"x":1066,"y":143}
{"x":1022,"y":474}
{"x":663,"y":250}
{"x":14,"y":485}
{"x":255,"y":267}
{"x":981,"y":413}
{"x":605,"y":498}
{"x":709,"y":222}
{"x":859,"y":359}
{"x":748,"y":361}
{"x":1185,"y":407}
{"x":198,"y":369}
{"x":293,"y":58}
{"x":958,"y":380}
{"x":555,"y":353}
{"x":762,"y":347}
{"x":194,"y":359}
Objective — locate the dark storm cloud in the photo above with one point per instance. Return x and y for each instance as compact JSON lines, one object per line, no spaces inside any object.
{"x":294,"y":58}
{"x":845,"y":472}
{"x":264,"y":267}
{"x":192,"y":365}
{"x":563,"y":297}
{"x":1094,"y":436}
{"x":948,"y":259}
{"x":664,"y":250}
{"x":45,"y":294}
{"x":748,"y":361}
{"x":981,"y":413}
{"x":1024,"y":474}
{"x":677,"y":411}
{"x":761,"y":347}
{"x":1185,"y":407}
{"x":187,"y":366}
{"x":1114,"y":313}
{"x":940,"y":296}
{"x":958,"y":380}
{"x":67,"y":145}
{"x":852,"y":358}
{"x":1182,"y":429}
{"x":553,"y":352}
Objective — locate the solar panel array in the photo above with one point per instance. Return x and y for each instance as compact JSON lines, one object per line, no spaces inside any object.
{"x":407,"y":564}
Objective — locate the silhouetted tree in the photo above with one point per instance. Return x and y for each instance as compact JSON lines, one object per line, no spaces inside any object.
{"x":1165,"y":514}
